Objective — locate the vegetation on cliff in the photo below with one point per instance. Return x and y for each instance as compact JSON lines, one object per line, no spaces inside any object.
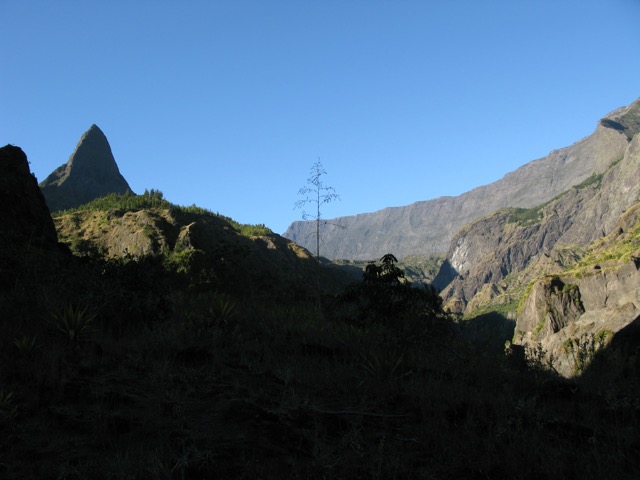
{"x":121,"y":203}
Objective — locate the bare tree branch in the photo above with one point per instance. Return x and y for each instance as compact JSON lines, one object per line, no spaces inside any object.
{"x":316,"y":194}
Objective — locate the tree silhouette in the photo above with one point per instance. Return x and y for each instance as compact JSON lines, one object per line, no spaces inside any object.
{"x":385,"y":296}
{"x":316,"y":193}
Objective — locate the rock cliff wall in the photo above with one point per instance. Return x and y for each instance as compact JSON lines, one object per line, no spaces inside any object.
{"x":583,"y":309}
{"x":27,"y":228}
{"x":510,"y":240}
{"x":24,"y":214}
{"x":427,"y":227}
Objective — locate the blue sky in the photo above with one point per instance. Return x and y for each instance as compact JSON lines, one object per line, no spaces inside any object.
{"x":227,"y":104}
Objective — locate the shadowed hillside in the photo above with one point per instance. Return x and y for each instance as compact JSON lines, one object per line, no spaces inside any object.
{"x":168,"y":345}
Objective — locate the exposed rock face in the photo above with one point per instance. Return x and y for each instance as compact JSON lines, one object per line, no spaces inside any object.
{"x":503,"y":243}
{"x":90,"y":173}
{"x":625,"y":120}
{"x":575,"y":293}
{"x":427,"y":227}
{"x":551,"y":306}
{"x":24,"y":216}
{"x":606,"y":301}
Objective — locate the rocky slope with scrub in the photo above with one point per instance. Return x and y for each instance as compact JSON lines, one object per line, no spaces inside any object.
{"x":193,"y":238}
{"x":504,"y":243}
{"x":539,"y":267}
{"x":578,"y":310}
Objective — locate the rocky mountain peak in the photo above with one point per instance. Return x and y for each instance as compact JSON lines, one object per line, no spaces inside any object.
{"x":91,"y":172}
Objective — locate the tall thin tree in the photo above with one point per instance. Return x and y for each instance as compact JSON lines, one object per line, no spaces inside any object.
{"x":316,"y":193}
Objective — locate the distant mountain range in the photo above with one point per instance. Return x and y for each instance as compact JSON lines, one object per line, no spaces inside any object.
{"x":427,"y":227}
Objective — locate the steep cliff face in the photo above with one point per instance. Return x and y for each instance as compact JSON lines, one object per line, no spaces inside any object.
{"x":427,"y":227}
{"x":551,"y":306}
{"x":27,"y":227}
{"x":511,"y":240}
{"x":594,"y":299}
{"x":569,"y":299}
{"x":90,"y":173}
{"x":24,"y":215}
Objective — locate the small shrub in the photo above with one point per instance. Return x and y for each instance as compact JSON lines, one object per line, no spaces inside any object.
{"x":540,"y":324}
{"x":594,"y":179}
{"x":538,"y":360}
{"x":525,"y":217}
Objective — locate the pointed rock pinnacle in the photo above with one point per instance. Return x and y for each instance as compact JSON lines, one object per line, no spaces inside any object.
{"x":90,"y":173}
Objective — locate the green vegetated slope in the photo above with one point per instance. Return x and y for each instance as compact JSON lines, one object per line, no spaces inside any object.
{"x":216,"y":250}
{"x":167,"y":347}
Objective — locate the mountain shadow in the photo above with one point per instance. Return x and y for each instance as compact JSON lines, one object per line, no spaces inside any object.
{"x":489,"y":331}
{"x":616,"y":367}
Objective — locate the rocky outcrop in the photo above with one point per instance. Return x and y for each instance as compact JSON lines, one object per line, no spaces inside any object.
{"x":24,"y":215}
{"x":625,"y":120}
{"x":551,"y":306}
{"x":427,"y":227}
{"x":90,"y":173}
{"x":602,"y":303}
{"x":27,"y":229}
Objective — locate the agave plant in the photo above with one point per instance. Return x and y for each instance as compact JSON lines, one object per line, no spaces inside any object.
{"x":26,"y":344}
{"x":73,"y":322}
{"x":222,"y":309}
{"x":8,"y":411}
{"x":383,"y":364}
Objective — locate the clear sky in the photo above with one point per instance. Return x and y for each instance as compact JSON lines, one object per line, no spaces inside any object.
{"x":227,"y":104}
